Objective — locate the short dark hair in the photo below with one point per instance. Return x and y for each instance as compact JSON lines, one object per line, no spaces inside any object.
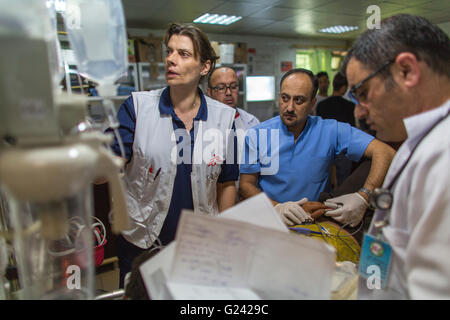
{"x":321,"y":74}
{"x":402,"y":33}
{"x":339,"y":81}
{"x":214,"y":70}
{"x":315,"y":83}
{"x":202,"y":46}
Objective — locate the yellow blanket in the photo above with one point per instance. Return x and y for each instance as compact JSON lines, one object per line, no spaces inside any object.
{"x":347,"y":248}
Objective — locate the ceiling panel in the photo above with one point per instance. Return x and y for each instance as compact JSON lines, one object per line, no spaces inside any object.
{"x":355,"y":7}
{"x":201,"y":6}
{"x":435,"y":11}
{"x":238,"y":8}
{"x":408,"y":2}
{"x":132,"y":13}
{"x":237,"y":28}
{"x":147,"y":3}
{"x":438,"y":5}
{"x":443,"y":6}
{"x":285,"y":18}
{"x":249,"y":24}
{"x":409,"y":10}
{"x":320,"y":18}
{"x":264,"y":2}
{"x":277,"y":13}
{"x":302,"y":4}
{"x":310,"y":22}
{"x":437,"y":17}
{"x":161,"y":20}
{"x":135,"y":9}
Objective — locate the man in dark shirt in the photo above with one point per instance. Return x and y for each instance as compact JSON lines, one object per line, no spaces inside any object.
{"x":336,"y":107}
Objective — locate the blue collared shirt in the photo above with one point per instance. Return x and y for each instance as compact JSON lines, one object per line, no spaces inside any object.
{"x":291,"y":170}
{"x":182,"y":189}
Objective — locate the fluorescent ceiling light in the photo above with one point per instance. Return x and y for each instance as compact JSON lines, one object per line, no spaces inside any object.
{"x":221,"y":19}
{"x":338,"y":29}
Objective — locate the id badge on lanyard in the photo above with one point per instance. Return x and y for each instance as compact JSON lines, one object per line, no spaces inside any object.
{"x":376,"y":254}
{"x":375,"y":261}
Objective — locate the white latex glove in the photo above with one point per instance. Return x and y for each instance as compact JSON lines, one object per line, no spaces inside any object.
{"x":350,"y":208}
{"x":292,"y":213}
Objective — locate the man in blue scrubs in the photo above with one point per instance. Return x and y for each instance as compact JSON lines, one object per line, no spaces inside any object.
{"x":288,"y":157}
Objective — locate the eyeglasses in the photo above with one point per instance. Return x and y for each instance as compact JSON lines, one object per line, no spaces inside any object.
{"x":222,"y":88}
{"x":352,"y":92}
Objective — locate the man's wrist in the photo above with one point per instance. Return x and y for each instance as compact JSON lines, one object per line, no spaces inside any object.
{"x":365,"y":193}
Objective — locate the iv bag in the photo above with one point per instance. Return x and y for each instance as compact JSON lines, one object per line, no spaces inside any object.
{"x":97,"y":34}
{"x":56,"y":63}
{"x":32,"y":19}
{"x":27,"y":18}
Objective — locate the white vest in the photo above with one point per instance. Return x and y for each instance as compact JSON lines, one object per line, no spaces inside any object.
{"x":150,"y":175}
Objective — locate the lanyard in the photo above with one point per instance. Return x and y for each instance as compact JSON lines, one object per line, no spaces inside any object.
{"x":389,"y":186}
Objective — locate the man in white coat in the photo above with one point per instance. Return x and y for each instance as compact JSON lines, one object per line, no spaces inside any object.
{"x":402,"y":88}
{"x":223,"y":86}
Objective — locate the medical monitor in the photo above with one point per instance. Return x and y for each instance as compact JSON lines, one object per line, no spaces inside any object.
{"x":260,"y":88}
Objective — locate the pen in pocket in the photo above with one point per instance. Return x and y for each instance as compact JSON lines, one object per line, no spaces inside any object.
{"x":157,"y":173}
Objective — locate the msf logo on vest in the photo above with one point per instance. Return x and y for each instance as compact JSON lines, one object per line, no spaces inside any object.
{"x":213,"y":147}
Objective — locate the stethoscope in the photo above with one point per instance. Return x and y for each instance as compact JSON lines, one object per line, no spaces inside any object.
{"x":382,"y":198}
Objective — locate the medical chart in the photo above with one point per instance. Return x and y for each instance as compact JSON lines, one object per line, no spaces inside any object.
{"x":219,"y":258}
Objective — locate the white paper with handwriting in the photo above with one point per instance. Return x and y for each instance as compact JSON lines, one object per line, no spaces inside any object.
{"x":257,"y":210}
{"x":227,"y":259}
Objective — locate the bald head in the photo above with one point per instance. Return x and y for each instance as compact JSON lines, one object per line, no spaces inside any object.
{"x":223,"y":86}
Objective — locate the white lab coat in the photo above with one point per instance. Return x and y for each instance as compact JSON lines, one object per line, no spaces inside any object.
{"x":154,"y":149}
{"x":243,"y":122}
{"x":419,"y":221}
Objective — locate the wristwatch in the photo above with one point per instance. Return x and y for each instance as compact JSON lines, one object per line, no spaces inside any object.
{"x":366,"y":191}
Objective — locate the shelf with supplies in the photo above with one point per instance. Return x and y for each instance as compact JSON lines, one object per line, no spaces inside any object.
{"x":75,"y":83}
{"x":129,"y":82}
{"x":151,"y":75}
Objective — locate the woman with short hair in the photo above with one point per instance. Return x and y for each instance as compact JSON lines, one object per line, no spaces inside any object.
{"x":171,"y":162}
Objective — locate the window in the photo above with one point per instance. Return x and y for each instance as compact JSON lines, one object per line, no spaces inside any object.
{"x":335,"y":63}
{"x":336,"y":59}
{"x":303,"y":60}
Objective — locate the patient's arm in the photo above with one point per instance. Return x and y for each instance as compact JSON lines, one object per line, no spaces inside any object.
{"x":315,"y":208}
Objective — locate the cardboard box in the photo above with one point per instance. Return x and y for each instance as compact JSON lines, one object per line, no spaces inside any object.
{"x":215,"y":46}
{"x":148,"y":49}
{"x":226,"y":53}
{"x":240,"y":52}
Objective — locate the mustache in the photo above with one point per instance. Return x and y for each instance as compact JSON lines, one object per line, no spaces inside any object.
{"x":289,"y":114}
